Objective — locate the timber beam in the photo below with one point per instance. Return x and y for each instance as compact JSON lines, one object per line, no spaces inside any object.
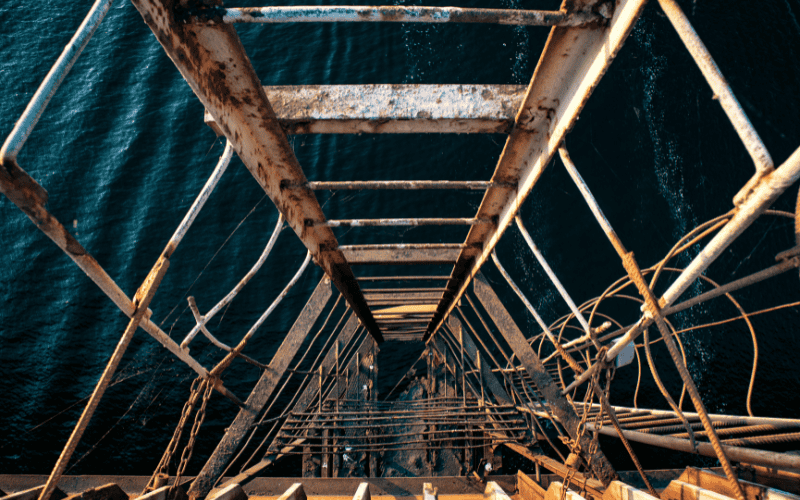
{"x":213,"y":62}
{"x":570,"y":67}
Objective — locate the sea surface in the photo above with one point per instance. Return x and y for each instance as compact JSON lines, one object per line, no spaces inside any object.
{"x":122,"y":151}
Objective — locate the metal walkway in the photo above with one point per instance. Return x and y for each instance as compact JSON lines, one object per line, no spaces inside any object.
{"x":510,"y":386}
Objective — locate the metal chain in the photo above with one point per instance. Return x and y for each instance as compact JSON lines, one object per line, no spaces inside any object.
{"x":206,"y":387}
{"x":163,"y":464}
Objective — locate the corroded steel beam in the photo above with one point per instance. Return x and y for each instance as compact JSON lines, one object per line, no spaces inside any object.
{"x":571,"y":65}
{"x":425,"y":221}
{"x":558,"y":403}
{"x":393,"y":109}
{"x":212,"y":60}
{"x":308,"y":396}
{"x":402,"y":14}
{"x":262,"y":392}
{"x":364,"y":185}
{"x":377,"y":255}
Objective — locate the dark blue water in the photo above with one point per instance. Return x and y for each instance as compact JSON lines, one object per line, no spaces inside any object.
{"x":122,"y":151}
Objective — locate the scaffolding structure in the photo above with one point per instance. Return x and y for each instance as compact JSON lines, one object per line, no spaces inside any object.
{"x":494,"y":386}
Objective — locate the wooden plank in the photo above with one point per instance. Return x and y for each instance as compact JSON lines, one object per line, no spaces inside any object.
{"x":618,"y":490}
{"x":232,"y":492}
{"x":493,"y":491}
{"x":554,"y":492}
{"x":262,"y":391}
{"x":528,"y":488}
{"x":429,"y":492}
{"x":710,"y":481}
{"x":558,"y":404}
{"x":295,"y":492}
{"x":679,"y":490}
{"x":362,"y":493}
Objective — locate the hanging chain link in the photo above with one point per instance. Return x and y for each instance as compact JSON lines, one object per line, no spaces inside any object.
{"x":206,"y":386}
{"x":162,"y":470}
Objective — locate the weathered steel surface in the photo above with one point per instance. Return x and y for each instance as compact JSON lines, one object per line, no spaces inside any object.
{"x":404,"y":14}
{"x":407,"y":310}
{"x":212,"y":60}
{"x":393,"y":109}
{"x":425,"y":221}
{"x":308,"y":396}
{"x":734,"y":453}
{"x":558,"y":404}
{"x":142,"y":299}
{"x":363,"y":185}
{"x":571,"y":65}
{"x":471,"y":351}
{"x":722,"y":91}
{"x":22,"y":129}
{"x":262,"y":392}
{"x":373,"y":255}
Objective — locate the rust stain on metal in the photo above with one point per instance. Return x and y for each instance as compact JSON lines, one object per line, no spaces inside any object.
{"x":374,"y":109}
{"x":211,"y":58}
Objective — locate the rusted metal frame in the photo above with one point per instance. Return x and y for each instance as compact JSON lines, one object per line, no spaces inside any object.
{"x":719,"y":417}
{"x":402,"y":290}
{"x":766,"y":192}
{"x":549,"y":390}
{"x":200,"y":326}
{"x":752,"y":279}
{"x":403,"y":278}
{"x":405,"y":246}
{"x":211,"y":59}
{"x":31,"y":198}
{"x":385,"y":256}
{"x":391,"y":109}
{"x":399,"y":185}
{"x":403,"y":14}
{"x":652,"y":312}
{"x":556,"y":282}
{"x":722,"y":91}
{"x":142,"y":300}
{"x":286,"y":381}
{"x":473,"y":354}
{"x":236,"y":351}
{"x":431,"y":221}
{"x":559,"y":349}
{"x":262,"y":391}
{"x":749,"y":455}
{"x":525,"y":385}
{"x":307,"y":397}
{"x":451,"y":341}
{"x":570,"y":67}
{"x":33,"y":111}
